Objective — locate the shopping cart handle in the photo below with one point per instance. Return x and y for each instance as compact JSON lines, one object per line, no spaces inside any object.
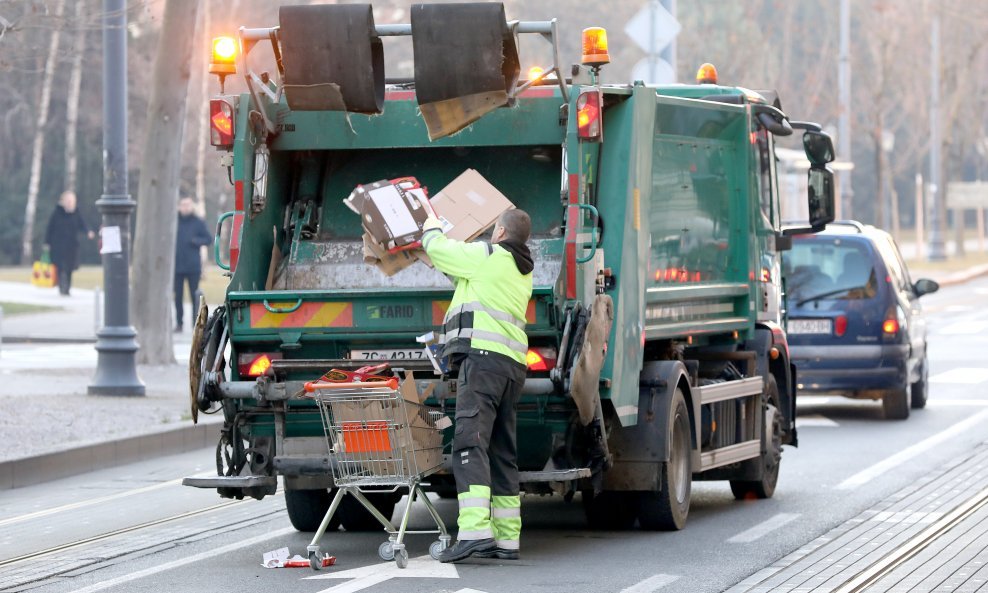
{"x":311,"y":386}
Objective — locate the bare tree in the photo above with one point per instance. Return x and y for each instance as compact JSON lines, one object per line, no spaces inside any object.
{"x":30,"y":209}
{"x":157,"y":195}
{"x":203,"y":111}
{"x":72,"y":99}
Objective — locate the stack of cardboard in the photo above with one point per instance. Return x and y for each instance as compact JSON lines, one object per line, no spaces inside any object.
{"x":392,"y":214}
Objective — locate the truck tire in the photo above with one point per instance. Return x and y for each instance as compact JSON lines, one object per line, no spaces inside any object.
{"x":610,"y":510}
{"x":306,"y":508}
{"x":668,"y":508}
{"x":771,"y":457}
{"x":895,"y":404}
{"x":354,"y":517}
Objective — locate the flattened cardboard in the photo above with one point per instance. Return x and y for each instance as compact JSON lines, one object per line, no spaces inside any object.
{"x":389,"y":263}
{"x":392,"y":213}
{"x":469,"y":205}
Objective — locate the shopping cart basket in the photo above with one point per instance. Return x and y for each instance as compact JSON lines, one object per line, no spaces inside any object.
{"x":378,"y":440}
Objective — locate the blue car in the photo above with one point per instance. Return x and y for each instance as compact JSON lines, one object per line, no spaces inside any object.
{"x":855,"y":324}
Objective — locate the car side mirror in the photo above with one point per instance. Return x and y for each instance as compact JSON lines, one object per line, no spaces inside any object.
{"x":820,"y":196}
{"x":925,"y":286}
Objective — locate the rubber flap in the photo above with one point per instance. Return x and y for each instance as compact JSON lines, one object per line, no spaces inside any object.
{"x":333,"y":58}
{"x":466,"y":63}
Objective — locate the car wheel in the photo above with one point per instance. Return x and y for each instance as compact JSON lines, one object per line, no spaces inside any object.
{"x":919,"y":388}
{"x":895,"y":403}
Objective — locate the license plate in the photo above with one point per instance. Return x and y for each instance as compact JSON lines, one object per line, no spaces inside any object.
{"x":810,"y":326}
{"x":401,"y":354}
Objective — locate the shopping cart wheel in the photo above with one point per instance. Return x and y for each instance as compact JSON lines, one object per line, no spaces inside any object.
{"x":436,"y":548}
{"x":386,"y":551}
{"x":315,"y":560}
{"x":401,"y":558}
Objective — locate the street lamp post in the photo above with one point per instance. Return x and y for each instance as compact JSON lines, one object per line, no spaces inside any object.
{"x":937,"y":250}
{"x":116,"y":345}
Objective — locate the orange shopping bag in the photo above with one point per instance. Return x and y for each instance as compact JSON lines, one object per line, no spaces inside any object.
{"x":43,"y":272}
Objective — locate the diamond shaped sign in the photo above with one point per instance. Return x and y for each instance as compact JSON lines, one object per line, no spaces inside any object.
{"x":653,"y":27}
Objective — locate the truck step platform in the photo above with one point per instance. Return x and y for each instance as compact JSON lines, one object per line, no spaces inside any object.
{"x":231,"y":482}
{"x":560,"y":475}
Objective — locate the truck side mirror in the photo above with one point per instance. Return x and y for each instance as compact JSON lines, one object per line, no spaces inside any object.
{"x":819,"y":147}
{"x":820,"y":196}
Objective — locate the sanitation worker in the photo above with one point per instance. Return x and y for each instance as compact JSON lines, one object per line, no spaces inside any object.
{"x":484,"y":335}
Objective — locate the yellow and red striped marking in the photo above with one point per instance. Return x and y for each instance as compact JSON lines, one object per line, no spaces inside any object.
{"x":439,"y":309}
{"x":308,"y":315}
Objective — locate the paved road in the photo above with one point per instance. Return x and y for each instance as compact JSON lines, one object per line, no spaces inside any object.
{"x":151,"y":534}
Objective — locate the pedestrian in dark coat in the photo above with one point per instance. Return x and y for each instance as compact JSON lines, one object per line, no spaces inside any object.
{"x":191,"y":236}
{"x":62,"y":238}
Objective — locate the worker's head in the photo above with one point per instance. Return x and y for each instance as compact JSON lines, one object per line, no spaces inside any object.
{"x":514,"y":225}
{"x":186,"y":206}
{"x":67,"y":200}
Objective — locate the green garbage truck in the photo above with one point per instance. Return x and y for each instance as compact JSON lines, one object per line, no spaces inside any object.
{"x":658,"y":354}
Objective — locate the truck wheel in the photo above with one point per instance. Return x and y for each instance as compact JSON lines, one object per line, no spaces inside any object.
{"x":668,"y":508}
{"x":771,"y":457}
{"x":354,"y":517}
{"x":895,"y":403}
{"x":919,"y":388}
{"x":306,"y":508}
{"x":609,"y":510}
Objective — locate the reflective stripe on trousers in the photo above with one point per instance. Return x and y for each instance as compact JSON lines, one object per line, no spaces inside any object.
{"x":506,"y":521}
{"x":474,"y":520}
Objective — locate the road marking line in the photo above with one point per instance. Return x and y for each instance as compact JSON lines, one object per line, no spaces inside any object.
{"x":652,"y":583}
{"x":140,"y":574}
{"x":422,"y":567}
{"x":866,"y":475}
{"x":90,"y":502}
{"x":815,"y":420}
{"x":764,"y":528}
{"x":962,"y":376}
{"x":469,"y":591}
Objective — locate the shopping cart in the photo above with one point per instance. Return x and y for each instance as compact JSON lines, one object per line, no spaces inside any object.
{"x":378,"y":440}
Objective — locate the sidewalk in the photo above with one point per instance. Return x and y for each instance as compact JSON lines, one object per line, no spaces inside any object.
{"x":47,"y":361}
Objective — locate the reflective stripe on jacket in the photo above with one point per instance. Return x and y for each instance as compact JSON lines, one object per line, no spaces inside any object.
{"x":488,"y":307}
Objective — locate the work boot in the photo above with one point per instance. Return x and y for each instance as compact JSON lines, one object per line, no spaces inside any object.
{"x":500,"y":554}
{"x":463,"y":549}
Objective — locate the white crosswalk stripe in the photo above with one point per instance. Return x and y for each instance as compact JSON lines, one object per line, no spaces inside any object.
{"x":961,"y":376}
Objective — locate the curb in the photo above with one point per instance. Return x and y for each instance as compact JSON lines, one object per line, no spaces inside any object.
{"x":29,"y":471}
{"x":964,"y":276}
{"x":46,"y":340}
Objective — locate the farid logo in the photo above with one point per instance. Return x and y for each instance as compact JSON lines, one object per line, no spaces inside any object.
{"x":390,"y":311}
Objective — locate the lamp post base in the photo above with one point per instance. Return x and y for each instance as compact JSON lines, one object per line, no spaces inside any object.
{"x":116,"y":370}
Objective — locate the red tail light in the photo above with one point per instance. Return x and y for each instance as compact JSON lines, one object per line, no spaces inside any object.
{"x":253,"y":364}
{"x":541,"y":359}
{"x":220,"y":123}
{"x":890,"y":326}
{"x":588,"y":116}
{"x":840,"y":325}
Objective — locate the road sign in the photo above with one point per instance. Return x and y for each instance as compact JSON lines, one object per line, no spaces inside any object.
{"x":653,"y":27}
{"x":653,"y":70}
{"x":967,"y":195}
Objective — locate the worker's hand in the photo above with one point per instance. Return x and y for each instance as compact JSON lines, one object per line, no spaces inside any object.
{"x":91,"y":235}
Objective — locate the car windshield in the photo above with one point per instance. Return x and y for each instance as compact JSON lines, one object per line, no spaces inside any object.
{"x":824,"y":268}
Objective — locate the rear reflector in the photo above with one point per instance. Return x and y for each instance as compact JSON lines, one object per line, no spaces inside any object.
{"x":220,"y":123}
{"x":588,"y":116}
{"x":840,"y":325}
{"x":253,"y":364}
{"x":541,"y":359}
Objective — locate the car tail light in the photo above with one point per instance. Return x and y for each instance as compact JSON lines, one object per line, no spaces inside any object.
{"x":220,"y":123}
{"x":840,"y":325}
{"x":255,"y":364}
{"x":890,"y":326}
{"x":588,"y":116}
{"x":541,"y":359}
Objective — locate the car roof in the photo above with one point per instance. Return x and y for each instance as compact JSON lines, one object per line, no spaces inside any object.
{"x":853,"y":227}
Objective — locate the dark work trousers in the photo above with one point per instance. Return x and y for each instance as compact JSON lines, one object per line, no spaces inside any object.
{"x":485,"y":442}
{"x":180,"y":280}
{"x":64,"y":279}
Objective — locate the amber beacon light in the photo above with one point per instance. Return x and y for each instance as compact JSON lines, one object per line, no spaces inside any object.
{"x":223,"y":59}
{"x":707,"y":74}
{"x":595,"y":47}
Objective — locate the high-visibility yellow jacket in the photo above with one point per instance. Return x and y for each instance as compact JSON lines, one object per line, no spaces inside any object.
{"x":487,"y":312}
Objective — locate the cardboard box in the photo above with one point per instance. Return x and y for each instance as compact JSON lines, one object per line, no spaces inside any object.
{"x":391,"y":212}
{"x":387,"y":262}
{"x":469,"y":205}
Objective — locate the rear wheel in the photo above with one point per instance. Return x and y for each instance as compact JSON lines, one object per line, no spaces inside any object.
{"x":355,"y":517}
{"x":771,"y":458}
{"x":895,"y":403}
{"x":668,"y":508}
{"x":919,"y":388}
{"x":610,"y":510}
{"x":306,"y":508}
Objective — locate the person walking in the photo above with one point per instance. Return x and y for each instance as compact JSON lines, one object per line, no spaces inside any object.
{"x":484,"y":336}
{"x":62,"y":239}
{"x":190,"y":237}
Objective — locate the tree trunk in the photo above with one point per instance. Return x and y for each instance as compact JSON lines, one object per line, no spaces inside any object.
{"x":203,"y":118}
{"x":157,"y":194}
{"x":30,"y":209}
{"x":72,"y":102}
